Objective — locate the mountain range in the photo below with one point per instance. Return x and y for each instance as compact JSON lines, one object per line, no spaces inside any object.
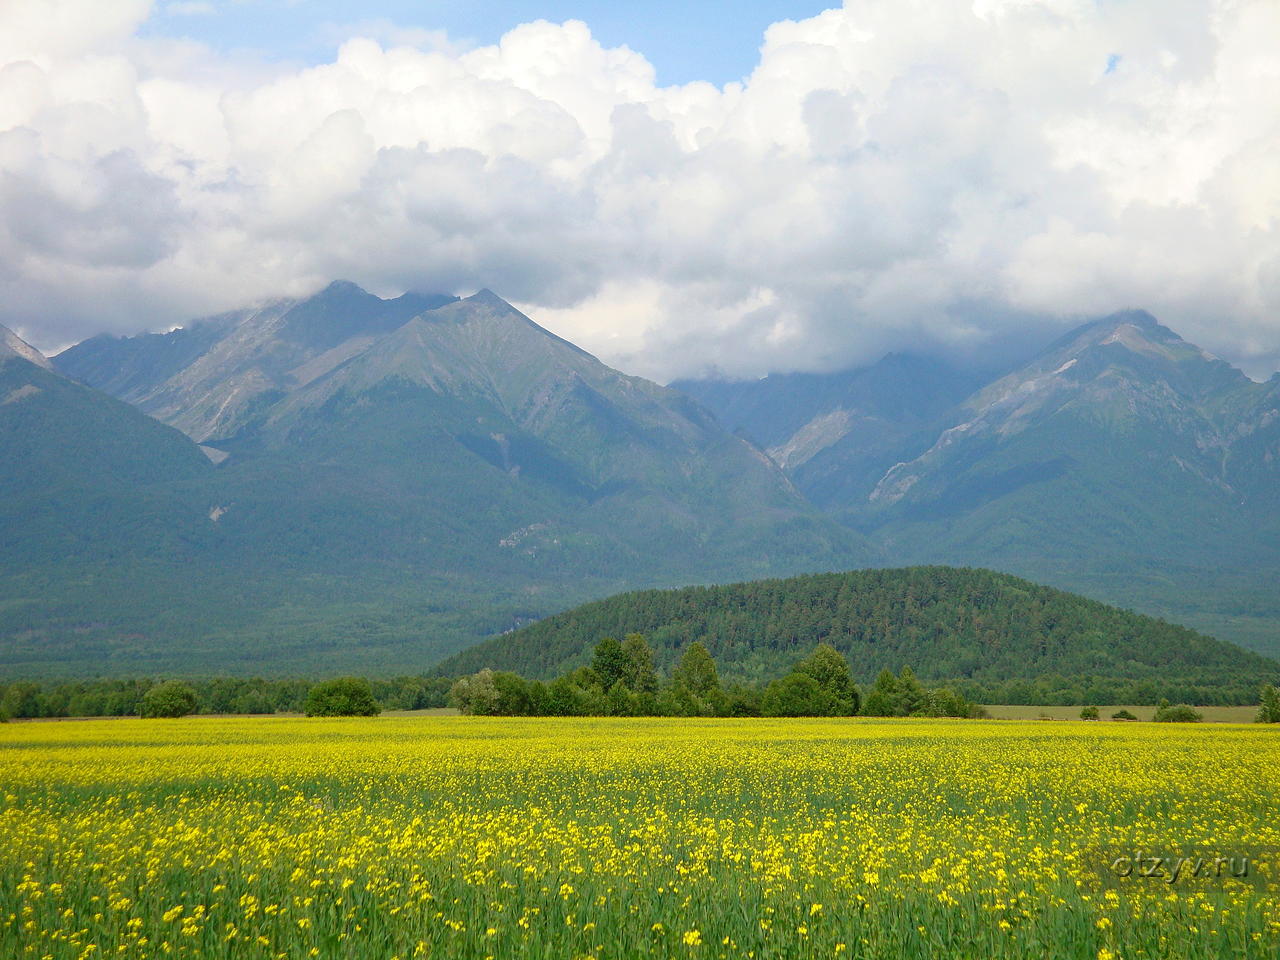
{"x":1120,"y":461}
{"x":345,"y":482}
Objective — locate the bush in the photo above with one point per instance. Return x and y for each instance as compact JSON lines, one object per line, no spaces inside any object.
{"x":1089,"y":713}
{"x":171,"y":699}
{"x":1123,"y":715}
{"x":343,"y":697}
{"x":945,"y":702}
{"x":1179,"y":714}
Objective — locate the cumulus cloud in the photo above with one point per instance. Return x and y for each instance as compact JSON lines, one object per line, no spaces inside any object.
{"x":894,"y":174}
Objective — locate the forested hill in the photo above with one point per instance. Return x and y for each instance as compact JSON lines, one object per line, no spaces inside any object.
{"x":948,"y":623}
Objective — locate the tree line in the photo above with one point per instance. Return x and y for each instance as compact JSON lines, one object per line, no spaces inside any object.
{"x":217,"y":695}
{"x":1061,"y":690}
{"x":623,"y":680}
{"x":816,"y":686}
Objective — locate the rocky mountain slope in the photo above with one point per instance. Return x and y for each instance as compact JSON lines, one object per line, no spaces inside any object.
{"x":210,"y":378}
{"x":834,"y":432}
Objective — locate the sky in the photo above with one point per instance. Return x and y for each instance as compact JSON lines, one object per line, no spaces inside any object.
{"x":683,"y":190}
{"x":716,"y":41}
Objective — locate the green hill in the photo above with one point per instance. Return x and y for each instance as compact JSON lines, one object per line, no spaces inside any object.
{"x":84,"y":476}
{"x":948,"y":623}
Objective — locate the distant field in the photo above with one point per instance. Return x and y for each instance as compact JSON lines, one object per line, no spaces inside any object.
{"x":1211,"y":714}
{"x":571,"y":838}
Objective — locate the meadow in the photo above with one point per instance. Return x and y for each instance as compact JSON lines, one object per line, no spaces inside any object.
{"x":571,"y":838}
{"x":1211,"y":714}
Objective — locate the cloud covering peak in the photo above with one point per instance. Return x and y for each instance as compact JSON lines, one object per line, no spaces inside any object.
{"x":894,"y":173}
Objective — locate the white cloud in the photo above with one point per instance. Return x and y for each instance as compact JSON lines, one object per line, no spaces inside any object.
{"x":896,"y":174}
{"x":44,"y":30}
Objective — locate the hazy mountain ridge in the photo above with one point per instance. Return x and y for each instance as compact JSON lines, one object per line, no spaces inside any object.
{"x":1120,"y":460}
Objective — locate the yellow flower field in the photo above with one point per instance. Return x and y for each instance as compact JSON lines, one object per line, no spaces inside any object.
{"x":487,"y":837}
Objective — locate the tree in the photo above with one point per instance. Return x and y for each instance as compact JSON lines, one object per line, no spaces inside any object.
{"x":609,"y":663}
{"x":618,"y":701}
{"x":170,"y":699}
{"x":639,"y":673}
{"x":342,"y":697}
{"x":677,"y":700}
{"x":513,"y":694}
{"x":696,"y":671}
{"x":1089,"y":713}
{"x":743,"y":700}
{"x":539,"y":699}
{"x":254,"y":702}
{"x":22,"y":700}
{"x":796,"y":695}
{"x":911,"y":694}
{"x":477,"y":694}
{"x":883,"y":699}
{"x":830,"y":669}
{"x":565,"y":698}
{"x":1269,"y":705}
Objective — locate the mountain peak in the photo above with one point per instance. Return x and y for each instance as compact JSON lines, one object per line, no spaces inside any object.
{"x":1133,"y":337}
{"x":11,"y":345}
{"x":343,"y":286}
{"x":487,"y":298}
{"x":1130,"y":328}
{"x":1139,"y":318}
{"x":343,"y":310}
